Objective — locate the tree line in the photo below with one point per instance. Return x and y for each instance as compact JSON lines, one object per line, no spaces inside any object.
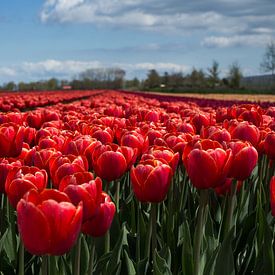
{"x":114,"y":78}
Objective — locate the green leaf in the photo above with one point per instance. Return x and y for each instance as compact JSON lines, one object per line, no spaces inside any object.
{"x":225,"y":259}
{"x":160,"y":265}
{"x":142,"y":266}
{"x":187,"y":249}
{"x":85,"y":255}
{"x":116,"y":253}
{"x":129,"y":263}
{"x":8,"y":246}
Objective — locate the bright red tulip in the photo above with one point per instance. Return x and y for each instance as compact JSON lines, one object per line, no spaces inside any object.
{"x":5,"y":166}
{"x":99,"y":224}
{"x":272,"y":195}
{"x":48,"y":223}
{"x":11,"y":140}
{"x":245,"y":158}
{"x":62,"y":166}
{"x":90,"y":195}
{"x":151,"y":180}
{"x":208,"y":168}
{"x":269,"y":145}
{"x":163,"y":154}
{"x":22,"y":179}
{"x":77,"y":178}
{"x":111,"y":161}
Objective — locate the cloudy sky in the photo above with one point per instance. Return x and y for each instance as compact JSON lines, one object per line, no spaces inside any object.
{"x":60,"y":38}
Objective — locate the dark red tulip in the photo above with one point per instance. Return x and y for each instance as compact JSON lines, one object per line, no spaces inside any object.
{"x":11,"y":140}
{"x":22,"y":179}
{"x":48,"y":223}
{"x":246,"y":132}
{"x":62,"y":166}
{"x":90,"y":195}
{"x":136,"y":140}
{"x":272,"y":195}
{"x":269,"y":145}
{"x":163,"y":154}
{"x":6,"y":165}
{"x":151,"y":180}
{"x":99,"y":224}
{"x":215,"y":133}
{"x":245,"y":158}
{"x":225,"y":189}
{"x":111,"y":161}
{"x":75,"y":179}
{"x":208,"y":168}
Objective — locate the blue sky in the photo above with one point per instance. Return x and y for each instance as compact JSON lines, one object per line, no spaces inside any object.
{"x":60,"y":38}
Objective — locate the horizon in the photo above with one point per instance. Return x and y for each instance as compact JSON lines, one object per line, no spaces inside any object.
{"x":61,"y":38}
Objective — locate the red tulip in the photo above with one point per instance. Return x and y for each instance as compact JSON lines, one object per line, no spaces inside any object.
{"x":246,"y":132}
{"x":269,"y":145}
{"x":151,"y":180}
{"x":225,"y":189}
{"x":99,"y":224}
{"x":75,"y":179}
{"x":111,"y":161}
{"x":208,"y":168}
{"x":215,"y":133}
{"x":48,"y":223}
{"x":135,"y":140}
{"x":62,"y":166}
{"x":11,"y":140}
{"x":90,"y":195}
{"x":22,"y":179}
{"x":245,"y":158}
{"x":5,"y":166}
{"x":163,"y":154}
{"x":272,"y":195}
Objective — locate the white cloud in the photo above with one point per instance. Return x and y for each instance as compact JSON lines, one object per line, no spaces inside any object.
{"x":66,"y":69}
{"x":6,"y":71}
{"x":216,"y":16}
{"x":236,"y":40}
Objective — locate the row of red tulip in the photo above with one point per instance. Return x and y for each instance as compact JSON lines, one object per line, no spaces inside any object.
{"x":49,"y":155}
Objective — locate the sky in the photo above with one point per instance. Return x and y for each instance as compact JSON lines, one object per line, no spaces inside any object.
{"x":61,"y":38}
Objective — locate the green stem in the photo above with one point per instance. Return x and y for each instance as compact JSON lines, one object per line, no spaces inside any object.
{"x":148,"y":240}
{"x":117,"y":195}
{"x":21,"y":259}
{"x":231,"y":207}
{"x":44,"y":266}
{"x":77,"y":257}
{"x":138,"y":233}
{"x":12,"y":223}
{"x":199,"y":230}
{"x":92,"y":255}
{"x":107,"y":242}
{"x":153,"y":218}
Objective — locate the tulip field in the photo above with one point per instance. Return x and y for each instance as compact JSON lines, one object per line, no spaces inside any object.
{"x":113,"y":182}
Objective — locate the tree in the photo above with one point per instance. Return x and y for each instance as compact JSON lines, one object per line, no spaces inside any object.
{"x":235,"y":75}
{"x":268,"y":63}
{"x":153,"y":79}
{"x":213,"y":73}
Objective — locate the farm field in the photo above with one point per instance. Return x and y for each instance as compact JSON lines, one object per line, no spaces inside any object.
{"x":108,"y":182}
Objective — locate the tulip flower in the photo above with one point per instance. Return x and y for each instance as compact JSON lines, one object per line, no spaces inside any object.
{"x":11,"y":140}
{"x":163,"y":154}
{"x":272,"y":195}
{"x":62,"y":166}
{"x":48,"y":223}
{"x":246,"y":132}
{"x":22,"y":179}
{"x":90,"y":195}
{"x":99,"y":224}
{"x":245,"y":158}
{"x":208,"y":168}
{"x":269,"y":145}
{"x":5,"y":166}
{"x":151,"y":180}
{"x":77,"y":178}
{"x":111,"y":161}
